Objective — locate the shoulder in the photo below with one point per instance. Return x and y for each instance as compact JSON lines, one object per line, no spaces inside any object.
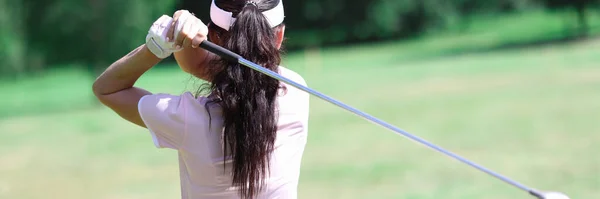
{"x":291,"y":99}
{"x":164,"y":106}
{"x":169,"y":117}
{"x":291,"y":91}
{"x":292,"y":75}
{"x":163,"y":101}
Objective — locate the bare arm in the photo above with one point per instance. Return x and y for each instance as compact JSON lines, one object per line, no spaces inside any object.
{"x":114,"y":88}
{"x":195,"y":61}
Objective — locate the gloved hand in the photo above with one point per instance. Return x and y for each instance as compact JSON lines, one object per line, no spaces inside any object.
{"x":157,"y":41}
{"x":189,"y":31}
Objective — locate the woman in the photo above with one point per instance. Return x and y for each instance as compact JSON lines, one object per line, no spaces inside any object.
{"x":243,"y":140}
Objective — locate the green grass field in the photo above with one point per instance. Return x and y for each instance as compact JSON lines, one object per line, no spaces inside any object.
{"x":531,"y":114}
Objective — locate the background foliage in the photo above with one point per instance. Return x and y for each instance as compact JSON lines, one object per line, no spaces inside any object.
{"x":38,"y":35}
{"x":473,"y":76}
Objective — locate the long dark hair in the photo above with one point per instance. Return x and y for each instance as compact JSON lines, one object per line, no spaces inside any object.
{"x":247,"y":97}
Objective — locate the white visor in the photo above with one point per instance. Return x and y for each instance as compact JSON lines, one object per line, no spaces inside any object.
{"x":225,"y":19}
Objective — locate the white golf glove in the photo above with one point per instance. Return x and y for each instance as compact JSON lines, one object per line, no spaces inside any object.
{"x":156,"y":40}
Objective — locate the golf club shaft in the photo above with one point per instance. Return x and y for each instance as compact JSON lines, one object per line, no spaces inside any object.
{"x":226,"y":54}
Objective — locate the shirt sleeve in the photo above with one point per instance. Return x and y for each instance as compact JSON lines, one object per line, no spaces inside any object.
{"x":164,"y":115}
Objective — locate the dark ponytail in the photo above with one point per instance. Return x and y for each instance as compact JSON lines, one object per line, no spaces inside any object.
{"x":247,"y":97}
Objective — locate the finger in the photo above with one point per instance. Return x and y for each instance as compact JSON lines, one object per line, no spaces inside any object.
{"x":171,"y":33}
{"x":203,"y":28}
{"x":184,"y":18}
{"x":163,"y":24}
{"x":186,"y":34}
{"x":198,"y":40}
{"x":194,"y":35}
{"x":201,"y":34}
{"x":191,"y":29}
{"x":171,"y":30}
{"x":178,"y":13}
{"x":187,"y":42}
{"x":163,"y":19}
{"x":158,"y":24}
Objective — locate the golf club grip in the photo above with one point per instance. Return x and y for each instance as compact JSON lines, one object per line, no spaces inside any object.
{"x":222,"y":52}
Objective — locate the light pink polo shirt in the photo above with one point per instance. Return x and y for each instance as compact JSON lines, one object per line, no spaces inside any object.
{"x":182,"y":123}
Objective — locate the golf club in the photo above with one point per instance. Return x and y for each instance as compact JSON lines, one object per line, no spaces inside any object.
{"x":230,"y":56}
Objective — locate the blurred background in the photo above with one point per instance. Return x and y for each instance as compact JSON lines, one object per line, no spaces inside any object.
{"x":511,"y":84}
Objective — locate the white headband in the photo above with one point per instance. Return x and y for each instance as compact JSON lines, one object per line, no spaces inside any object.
{"x":225,"y":19}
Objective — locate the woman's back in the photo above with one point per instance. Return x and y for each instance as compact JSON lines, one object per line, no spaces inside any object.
{"x":194,"y":127}
{"x":247,"y":138}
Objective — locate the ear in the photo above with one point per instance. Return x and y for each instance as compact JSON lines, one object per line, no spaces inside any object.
{"x":279,"y":36}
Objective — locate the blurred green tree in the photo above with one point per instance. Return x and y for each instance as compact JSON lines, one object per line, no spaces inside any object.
{"x":12,"y":42}
{"x":579,"y":6}
{"x":326,"y":22}
{"x":90,"y":33}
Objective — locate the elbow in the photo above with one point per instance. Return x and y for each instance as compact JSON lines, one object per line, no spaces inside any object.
{"x":97,"y":90}
{"x":99,"y":94}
